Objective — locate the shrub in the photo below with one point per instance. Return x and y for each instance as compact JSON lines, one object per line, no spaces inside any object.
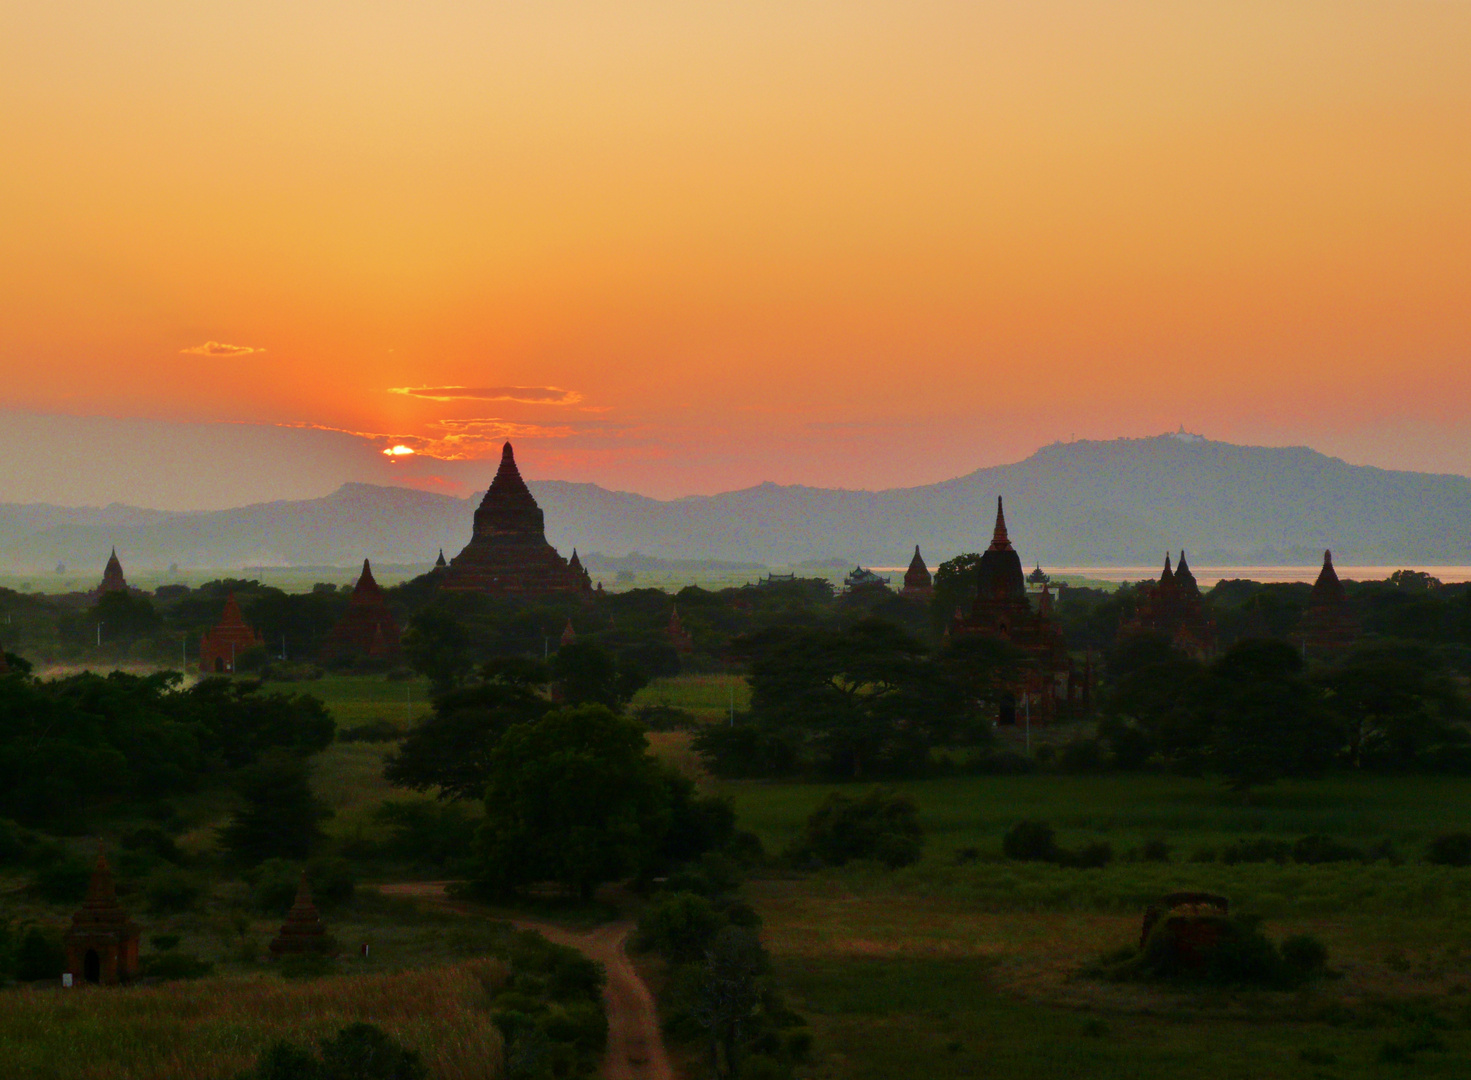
{"x":40,"y":955}
{"x":879,"y":825}
{"x":678,"y":926}
{"x":1450,"y":849}
{"x":1091,"y":856}
{"x":666,"y":718}
{"x":1256,"y":851}
{"x":172,"y":891}
{"x":1305,"y":954}
{"x":1313,"y":850}
{"x":356,"y":1052}
{"x":1155,"y":851}
{"x":374,"y":731}
{"x":1030,"y":841}
{"x":273,"y":885}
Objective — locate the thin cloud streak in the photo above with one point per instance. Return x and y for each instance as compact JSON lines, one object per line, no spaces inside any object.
{"x":219,"y":348}
{"x":529,"y":395}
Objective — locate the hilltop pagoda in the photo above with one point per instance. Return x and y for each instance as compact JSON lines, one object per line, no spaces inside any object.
{"x":232,"y":638}
{"x":102,"y":942}
{"x":112,"y":576}
{"x":1328,"y":626}
{"x":1002,"y":610}
{"x":508,"y":553}
{"x":368,"y":629}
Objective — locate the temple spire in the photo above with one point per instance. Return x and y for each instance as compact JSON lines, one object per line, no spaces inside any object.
{"x":999,"y":540}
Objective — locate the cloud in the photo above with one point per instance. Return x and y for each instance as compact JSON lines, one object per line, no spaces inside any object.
{"x":454,"y":440}
{"x":219,"y":348}
{"x":529,"y":395}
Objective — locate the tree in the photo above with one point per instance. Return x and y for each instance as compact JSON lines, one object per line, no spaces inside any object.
{"x":729,"y":995}
{"x":450,"y":750}
{"x":586,"y":673}
{"x":1266,"y":719}
{"x":126,"y":616}
{"x":879,"y":825}
{"x":244,"y":722}
{"x":956,"y":583}
{"x":574,"y":798}
{"x":437,"y":646}
{"x":1156,"y":704}
{"x":280,"y":816}
{"x":1398,"y":703}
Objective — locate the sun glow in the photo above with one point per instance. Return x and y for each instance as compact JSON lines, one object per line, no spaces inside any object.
{"x":399,"y":451}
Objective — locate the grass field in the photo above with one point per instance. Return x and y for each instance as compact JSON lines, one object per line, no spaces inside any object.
{"x":709,"y":697}
{"x":966,"y":964}
{"x":214,"y":1029}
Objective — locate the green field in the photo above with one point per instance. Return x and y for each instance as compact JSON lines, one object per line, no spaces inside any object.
{"x":967,"y":964}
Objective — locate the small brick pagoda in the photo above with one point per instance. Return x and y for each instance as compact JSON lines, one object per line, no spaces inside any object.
{"x":1328,"y":626}
{"x":303,"y":931}
{"x":678,"y":636}
{"x":102,"y":943}
{"x":508,"y":553}
{"x":918,"y":584}
{"x":368,"y":629}
{"x":228,"y":641}
{"x":112,"y":576}
{"x":1173,"y":607}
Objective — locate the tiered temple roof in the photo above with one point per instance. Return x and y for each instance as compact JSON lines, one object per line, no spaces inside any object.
{"x":918,"y":584}
{"x":102,"y":942}
{"x":368,"y":628}
{"x":1328,"y":626}
{"x":508,"y":552}
{"x":678,"y":636}
{"x":1174,"y":607}
{"x":1002,"y":610}
{"x":112,"y":576}
{"x":228,"y":641}
{"x":303,"y":931}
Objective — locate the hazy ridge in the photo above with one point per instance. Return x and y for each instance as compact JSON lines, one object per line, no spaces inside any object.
{"x":1119,"y":502}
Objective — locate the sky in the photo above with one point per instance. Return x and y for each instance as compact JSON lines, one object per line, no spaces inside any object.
{"x":686,"y":247}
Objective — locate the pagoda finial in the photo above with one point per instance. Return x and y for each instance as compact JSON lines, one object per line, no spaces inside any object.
{"x":439,"y":563}
{"x":999,"y":540}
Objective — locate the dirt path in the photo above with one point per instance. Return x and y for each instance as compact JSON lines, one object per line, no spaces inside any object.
{"x":635,"y":1045}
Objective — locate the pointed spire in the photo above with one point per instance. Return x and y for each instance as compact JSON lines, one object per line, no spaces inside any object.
{"x":999,"y":540}
{"x":439,"y":563}
{"x":1044,"y":602}
{"x":1168,"y":577}
{"x":574,"y":563}
{"x":569,"y":635}
{"x":1327,"y":589}
{"x":100,"y":890}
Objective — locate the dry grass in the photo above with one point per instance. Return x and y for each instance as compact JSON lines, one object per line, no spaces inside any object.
{"x":214,"y":1029}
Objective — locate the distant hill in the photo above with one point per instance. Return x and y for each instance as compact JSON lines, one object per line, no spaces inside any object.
{"x":1120,"y":502}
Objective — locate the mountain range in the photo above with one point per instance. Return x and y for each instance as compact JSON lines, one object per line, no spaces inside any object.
{"x":1119,"y":502}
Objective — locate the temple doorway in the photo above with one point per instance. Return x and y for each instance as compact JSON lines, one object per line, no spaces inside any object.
{"x":92,"y":966}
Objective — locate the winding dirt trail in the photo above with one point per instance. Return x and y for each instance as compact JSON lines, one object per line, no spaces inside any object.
{"x":635,"y":1044}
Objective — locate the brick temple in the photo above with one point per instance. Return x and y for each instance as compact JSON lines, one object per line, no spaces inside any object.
{"x":112,"y":576}
{"x":918,"y":584}
{"x":368,"y":629}
{"x":303,"y":930}
{"x":508,"y":553}
{"x":231,"y":638}
{"x":1003,"y":610}
{"x":102,"y":942}
{"x":1328,"y":628}
{"x":1174,"y":608}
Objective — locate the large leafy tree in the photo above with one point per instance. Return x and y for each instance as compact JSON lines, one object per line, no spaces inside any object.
{"x":573,"y":798}
{"x":1398,"y":703}
{"x":449,"y":752}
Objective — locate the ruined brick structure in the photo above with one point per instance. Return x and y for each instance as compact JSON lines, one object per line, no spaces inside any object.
{"x":368,"y":629}
{"x":112,"y":576}
{"x":918,"y":584}
{"x":232,"y":638}
{"x":508,"y":553}
{"x":1174,"y":607}
{"x":1003,"y":610}
{"x":678,"y":636}
{"x":303,"y":931}
{"x":102,"y":942}
{"x":1329,"y":627}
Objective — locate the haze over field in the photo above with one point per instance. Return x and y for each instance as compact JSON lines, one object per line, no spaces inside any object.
{"x":679,"y":249}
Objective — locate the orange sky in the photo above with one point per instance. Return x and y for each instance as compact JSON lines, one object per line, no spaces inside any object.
{"x":856,"y":244}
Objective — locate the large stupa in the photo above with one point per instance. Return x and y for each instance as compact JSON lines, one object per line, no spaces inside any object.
{"x":508,"y":553}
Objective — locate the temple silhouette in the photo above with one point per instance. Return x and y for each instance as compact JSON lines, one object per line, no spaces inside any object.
{"x":508,"y":553}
